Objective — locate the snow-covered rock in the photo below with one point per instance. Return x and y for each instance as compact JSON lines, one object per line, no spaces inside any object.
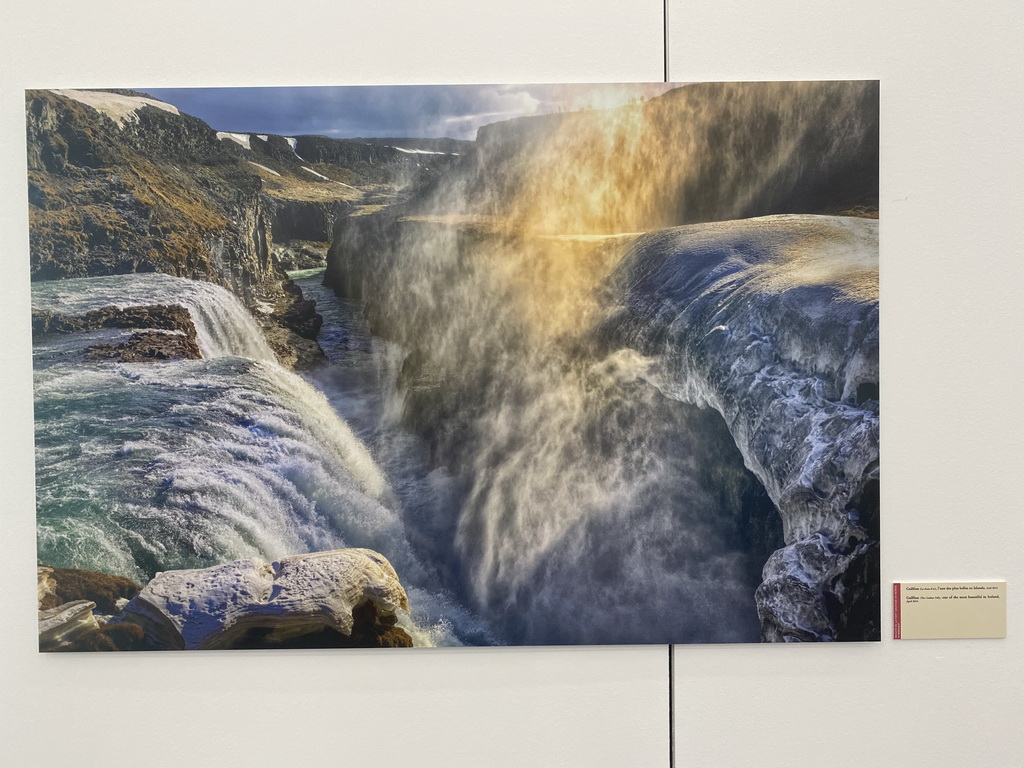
{"x":774,"y":323}
{"x":222,"y":606}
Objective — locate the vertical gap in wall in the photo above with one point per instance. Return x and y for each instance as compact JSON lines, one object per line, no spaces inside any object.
{"x":664,"y":9}
{"x":671,"y":648}
{"x":671,"y":705}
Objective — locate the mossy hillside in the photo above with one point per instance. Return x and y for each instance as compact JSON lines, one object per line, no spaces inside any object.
{"x":157,"y":193}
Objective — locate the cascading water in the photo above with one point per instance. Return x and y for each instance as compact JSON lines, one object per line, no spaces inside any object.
{"x":591,"y":508}
{"x":223,"y":326}
{"x":182,"y":464}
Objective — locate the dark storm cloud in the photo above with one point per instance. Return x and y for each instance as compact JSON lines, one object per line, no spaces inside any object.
{"x":399,"y":110}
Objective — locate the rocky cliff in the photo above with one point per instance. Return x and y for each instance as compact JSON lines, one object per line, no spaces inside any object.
{"x":703,"y":152}
{"x":143,"y":190}
{"x":120,"y":183}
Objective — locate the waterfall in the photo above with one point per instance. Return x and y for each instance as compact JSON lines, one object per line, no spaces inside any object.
{"x":184,"y":464}
{"x":223,"y":326}
{"x":592,"y":508}
{"x":599,"y":504}
{"x":558,"y":424}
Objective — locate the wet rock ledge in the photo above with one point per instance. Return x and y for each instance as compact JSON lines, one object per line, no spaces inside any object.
{"x":166,"y":332}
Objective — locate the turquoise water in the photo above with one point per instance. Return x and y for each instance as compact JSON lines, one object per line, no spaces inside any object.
{"x":182,"y":464}
{"x":302,"y":274}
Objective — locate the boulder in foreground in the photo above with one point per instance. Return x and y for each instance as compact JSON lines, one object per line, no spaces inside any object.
{"x":346,"y":597}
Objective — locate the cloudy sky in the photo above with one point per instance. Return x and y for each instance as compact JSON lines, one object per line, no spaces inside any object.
{"x":424,"y":111}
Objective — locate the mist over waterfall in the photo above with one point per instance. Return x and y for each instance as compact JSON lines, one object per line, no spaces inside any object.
{"x":703,"y":152}
{"x":598,"y":376}
{"x":600,"y":501}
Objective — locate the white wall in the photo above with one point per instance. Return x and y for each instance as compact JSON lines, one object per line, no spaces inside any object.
{"x":952,"y":272}
{"x":952,"y":172}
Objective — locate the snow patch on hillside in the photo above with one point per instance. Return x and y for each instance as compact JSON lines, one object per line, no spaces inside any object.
{"x":118,"y":108}
{"x":293,"y":143}
{"x":325,"y":178}
{"x":238,"y":138}
{"x":268,"y":170}
{"x":423,"y":151}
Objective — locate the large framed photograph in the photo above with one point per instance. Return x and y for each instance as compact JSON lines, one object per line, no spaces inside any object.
{"x":391,"y":366}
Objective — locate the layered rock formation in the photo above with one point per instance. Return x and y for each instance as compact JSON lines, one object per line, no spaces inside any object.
{"x":342,"y":598}
{"x":306,"y":219}
{"x":68,"y":598}
{"x":169,"y":333}
{"x":151,"y":190}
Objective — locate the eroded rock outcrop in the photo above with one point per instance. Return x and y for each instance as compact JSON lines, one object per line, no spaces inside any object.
{"x":64,"y":585}
{"x":146,"y":346}
{"x":69,"y":600}
{"x":163,"y":317}
{"x":306,"y":219}
{"x":62,"y":626}
{"x":301,"y":254}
